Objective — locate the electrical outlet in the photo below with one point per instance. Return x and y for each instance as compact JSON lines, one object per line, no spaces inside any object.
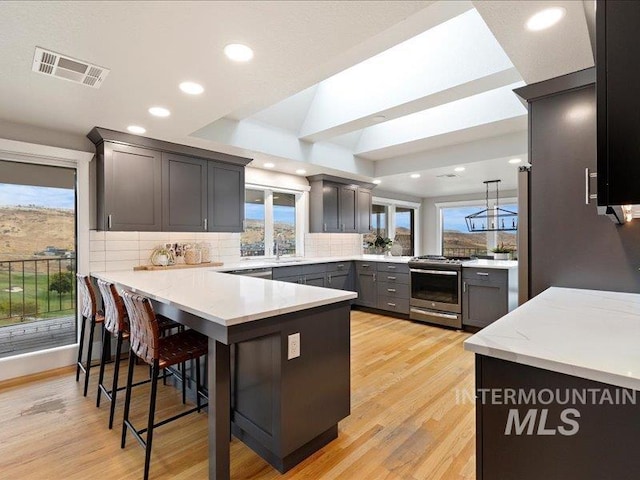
{"x":294,"y":346}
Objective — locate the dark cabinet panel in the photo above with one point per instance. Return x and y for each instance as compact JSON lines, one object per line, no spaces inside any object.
{"x":338,"y":208}
{"x":364,"y":210}
{"x":315,"y":279}
{"x":129,"y":188}
{"x":366,"y":286}
{"x":618,"y":93}
{"x":225,"y":198}
{"x":340,"y":280}
{"x":394,"y":290}
{"x":282,"y":272}
{"x":348,"y":209}
{"x":184,"y":193}
{"x":392,"y":304}
{"x":485,"y":298}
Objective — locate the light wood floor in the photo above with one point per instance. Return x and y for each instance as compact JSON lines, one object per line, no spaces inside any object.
{"x":405,"y":421}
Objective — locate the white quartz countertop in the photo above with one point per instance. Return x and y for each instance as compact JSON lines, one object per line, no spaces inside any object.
{"x":288,"y":261}
{"x":501,"y":264}
{"x":585,"y":333}
{"x":223,"y":298}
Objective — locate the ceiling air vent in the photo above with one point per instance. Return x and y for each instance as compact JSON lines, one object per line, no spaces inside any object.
{"x":47,"y":62}
{"x":447,"y":175}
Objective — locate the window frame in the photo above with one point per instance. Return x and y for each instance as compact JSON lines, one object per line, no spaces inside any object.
{"x":492,"y":237}
{"x":300,"y":202}
{"x":391,"y":205}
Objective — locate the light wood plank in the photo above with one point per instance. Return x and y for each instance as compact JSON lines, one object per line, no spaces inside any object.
{"x":405,"y":422}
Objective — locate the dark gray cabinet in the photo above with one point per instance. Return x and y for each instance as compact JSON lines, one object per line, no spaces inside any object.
{"x":225,"y":198}
{"x":364,"y":210}
{"x":340,"y":276}
{"x":336,"y":207}
{"x":129,"y":188}
{"x":184,"y":193}
{"x":143,"y":184}
{"x":349,"y":209}
{"x":618,"y":94}
{"x":487,"y":295}
{"x":366,"y":284}
{"x":314,"y":274}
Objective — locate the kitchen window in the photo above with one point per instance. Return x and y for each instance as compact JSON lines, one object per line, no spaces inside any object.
{"x":271,"y":216}
{"x":405,"y":228}
{"x":379,"y":215}
{"x":396,"y":220}
{"x":456,"y":240}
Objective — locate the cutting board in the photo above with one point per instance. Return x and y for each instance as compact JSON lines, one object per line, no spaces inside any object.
{"x":177,"y":266}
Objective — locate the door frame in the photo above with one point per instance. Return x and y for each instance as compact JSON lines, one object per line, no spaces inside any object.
{"x":15,"y":151}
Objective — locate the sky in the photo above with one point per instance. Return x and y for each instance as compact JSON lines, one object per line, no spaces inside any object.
{"x":47,"y":197}
{"x":281,"y":213}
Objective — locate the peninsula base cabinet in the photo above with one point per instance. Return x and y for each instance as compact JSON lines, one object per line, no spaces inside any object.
{"x":487,"y":295}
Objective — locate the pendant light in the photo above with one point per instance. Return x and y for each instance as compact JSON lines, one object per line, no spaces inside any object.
{"x":492,"y":219}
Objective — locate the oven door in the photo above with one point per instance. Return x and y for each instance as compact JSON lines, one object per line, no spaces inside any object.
{"x":436,"y":289}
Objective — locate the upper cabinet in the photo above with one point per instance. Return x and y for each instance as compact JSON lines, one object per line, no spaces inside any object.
{"x":618,"y":102}
{"x":149,"y":185}
{"x":336,"y":206}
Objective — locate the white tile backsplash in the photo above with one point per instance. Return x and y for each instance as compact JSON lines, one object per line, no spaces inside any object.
{"x":124,"y":250}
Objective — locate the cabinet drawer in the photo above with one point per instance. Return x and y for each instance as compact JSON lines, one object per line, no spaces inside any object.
{"x":398,"y":305}
{"x":394,"y":290}
{"x":314,"y":268}
{"x":393,"y":267}
{"x":489,"y":275}
{"x":398,"y":278}
{"x":280,"y":272}
{"x":339,"y":267}
{"x":366,"y":266}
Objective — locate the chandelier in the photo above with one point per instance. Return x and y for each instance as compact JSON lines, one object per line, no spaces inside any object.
{"x":494,"y":219}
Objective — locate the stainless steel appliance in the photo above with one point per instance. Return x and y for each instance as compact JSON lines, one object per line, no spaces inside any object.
{"x":253,"y":272}
{"x":436,"y":290}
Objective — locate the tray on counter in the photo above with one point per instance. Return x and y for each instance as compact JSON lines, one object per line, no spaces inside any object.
{"x":177,"y":266}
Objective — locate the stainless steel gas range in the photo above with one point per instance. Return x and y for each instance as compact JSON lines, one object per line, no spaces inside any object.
{"x":436,"y":290}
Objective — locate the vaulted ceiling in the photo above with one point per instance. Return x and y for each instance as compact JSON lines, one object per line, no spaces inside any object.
{"x":363,"y":89}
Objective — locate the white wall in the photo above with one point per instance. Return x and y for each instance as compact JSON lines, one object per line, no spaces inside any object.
{"x":429,"y":217}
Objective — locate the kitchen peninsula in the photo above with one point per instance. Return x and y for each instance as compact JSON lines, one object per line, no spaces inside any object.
{"x":286,"y":405}
{"x":557,"y":383}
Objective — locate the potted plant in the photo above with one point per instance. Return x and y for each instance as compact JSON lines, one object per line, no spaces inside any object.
{"x":380,"y":245}
{"x":501,"y":252}
{"x":162,"y":256}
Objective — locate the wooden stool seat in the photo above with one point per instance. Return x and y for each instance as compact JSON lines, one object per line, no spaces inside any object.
{"x":89,"y":313}
{"x":181,"y":347}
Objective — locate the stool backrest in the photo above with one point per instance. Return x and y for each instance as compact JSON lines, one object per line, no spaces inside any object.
{"x":88,"y":295}
{"x":115,"y":314}
{"x":143,"y":327}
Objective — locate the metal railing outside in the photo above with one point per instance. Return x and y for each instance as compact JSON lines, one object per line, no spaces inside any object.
{"x":34,"y":289}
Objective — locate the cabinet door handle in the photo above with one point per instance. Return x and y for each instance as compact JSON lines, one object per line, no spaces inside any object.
{"x":340,"y":266}
{"x":391,"y":278}
{"x":392,"y":267}
{"x":329,"y":278}
{"x":482,"y":274}
{"x":464,"y":287}
{"x":588,"y":196}
{"x":392,"y":290}
{"x":364,"y":266}
{"x":342,"y":227}
{"x":109,"y":221}
{"x":374,"y":277}
{"x":391,"y":304}
{"x":205,"y":224}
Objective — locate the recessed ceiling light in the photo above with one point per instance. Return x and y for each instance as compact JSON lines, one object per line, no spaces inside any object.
{"x":269,"y":165}
{"x":159,"y":112}
{"x":415,"y":175}
{"x":545,"y":18}
{"x":459,"y":169}
{"x":377,"y":182}
{"x":379,"y":118}
{"x":136,"y":129}
{"x":238,"y":52}
{"x":515,"y":160}
{"x":301,"y":171}
{"x":191,"y":88}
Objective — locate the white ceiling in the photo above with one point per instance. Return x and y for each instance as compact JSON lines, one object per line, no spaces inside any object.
{"x":440,"y":72}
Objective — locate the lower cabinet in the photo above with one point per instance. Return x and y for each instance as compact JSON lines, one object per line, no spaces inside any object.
{"x":314,"y":274}
{"x":487,"y":295}
{"x":366,"y":284}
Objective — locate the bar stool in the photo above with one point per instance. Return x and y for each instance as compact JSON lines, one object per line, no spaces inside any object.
{"x":159,"y":353}
{"x":89,"y":313}
{"x":116,"y":323}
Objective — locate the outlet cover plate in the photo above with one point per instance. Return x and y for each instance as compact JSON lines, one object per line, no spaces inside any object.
{"x":293,"y":350}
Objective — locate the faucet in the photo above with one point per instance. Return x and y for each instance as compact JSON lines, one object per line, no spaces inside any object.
{"x":276,"y":243}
